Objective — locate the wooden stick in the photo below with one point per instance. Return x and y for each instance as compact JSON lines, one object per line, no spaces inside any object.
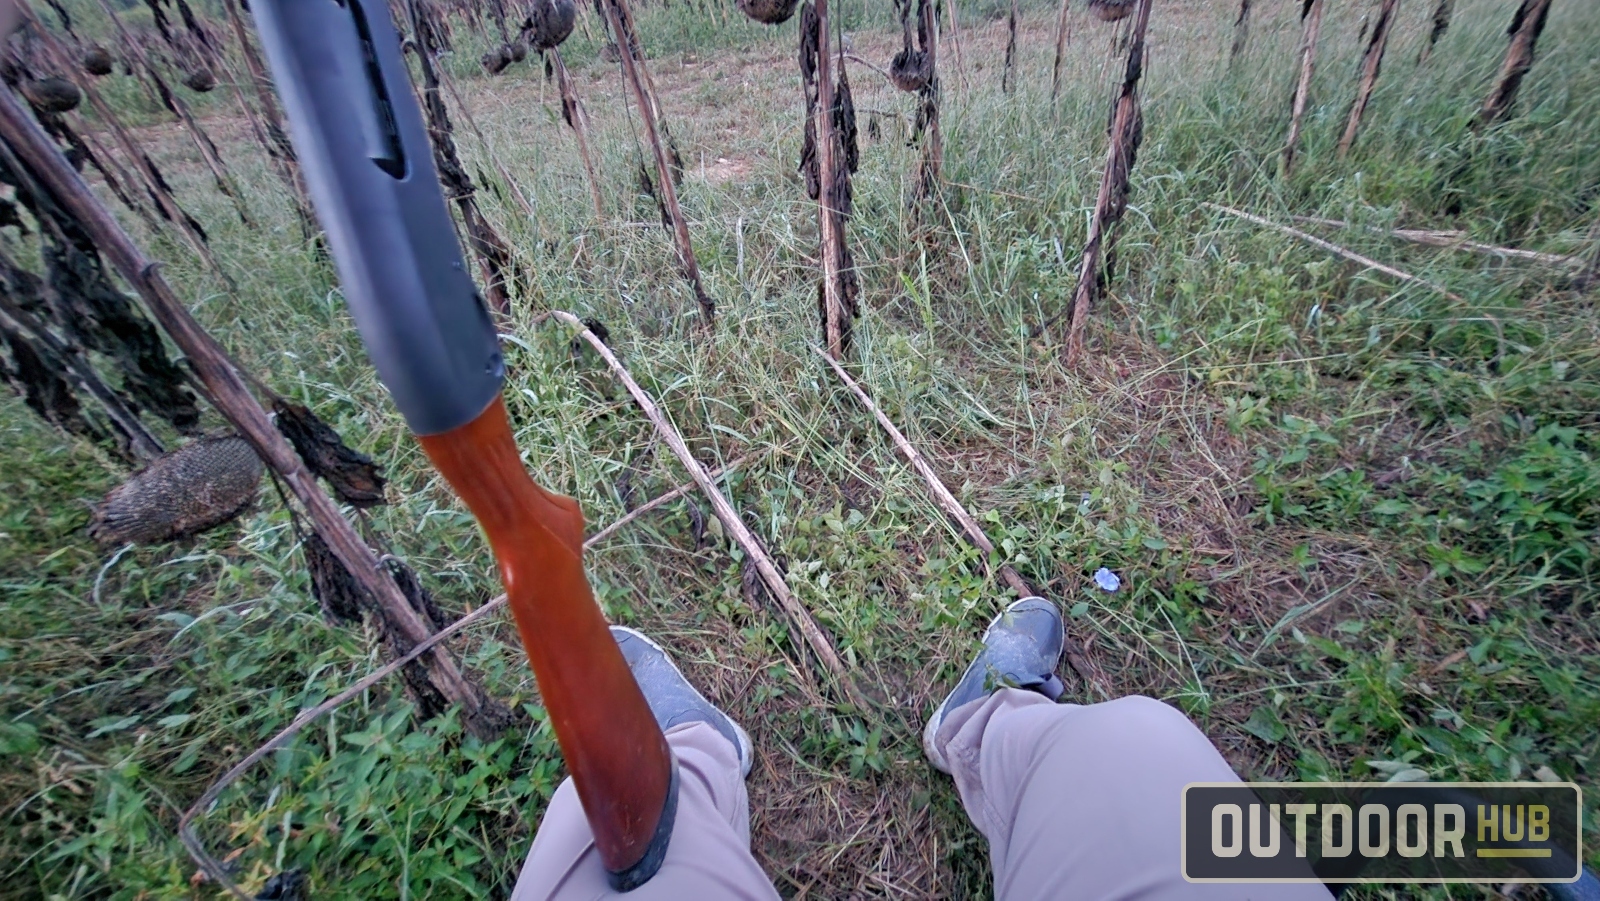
{"x":578,"y":119}
{"x":1371,"y":64}
{"x":1336,"y":249}
{"x":1311,"y":14}
{"x":632,"y":69}
{"x":1526,"y":26}
{"x":228,"y":392}
{"x":1453,"y":240}
{"x":798,"y":615}
{"x":947,"y":502}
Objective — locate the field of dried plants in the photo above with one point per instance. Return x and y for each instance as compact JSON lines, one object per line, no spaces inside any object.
{"x":1333,"y":419}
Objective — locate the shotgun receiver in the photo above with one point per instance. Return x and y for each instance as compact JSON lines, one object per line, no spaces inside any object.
{"x":360,"y":138}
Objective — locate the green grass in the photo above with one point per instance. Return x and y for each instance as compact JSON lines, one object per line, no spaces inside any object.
{"x":1356,"y":522}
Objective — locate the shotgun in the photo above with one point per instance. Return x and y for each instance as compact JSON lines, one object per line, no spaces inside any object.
{"x":360,"y":137}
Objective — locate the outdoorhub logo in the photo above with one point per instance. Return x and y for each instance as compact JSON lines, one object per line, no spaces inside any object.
{"x":1382,"y":832}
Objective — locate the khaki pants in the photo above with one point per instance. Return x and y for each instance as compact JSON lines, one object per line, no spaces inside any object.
{"x":1077,"y":802}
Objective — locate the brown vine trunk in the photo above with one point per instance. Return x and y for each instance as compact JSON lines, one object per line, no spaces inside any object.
{"x":1371,"y":64}
{"x":1311,"y":13}
{"x":1526,"y":26}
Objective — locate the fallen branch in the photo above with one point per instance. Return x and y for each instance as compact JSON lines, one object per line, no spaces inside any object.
{"x":798,"y":615}
{"x":973,"y":532}
{"x":1453,"y":240}
{"x":1336,"y":249}
{"x":305,"y":718}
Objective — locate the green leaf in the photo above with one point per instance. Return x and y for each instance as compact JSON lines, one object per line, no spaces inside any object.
{"x":1390,"y":507}
{"x":1265,"y":725}
{"x":108,"y":724}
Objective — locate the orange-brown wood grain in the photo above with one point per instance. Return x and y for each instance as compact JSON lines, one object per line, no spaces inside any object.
{"x":613,"y":747}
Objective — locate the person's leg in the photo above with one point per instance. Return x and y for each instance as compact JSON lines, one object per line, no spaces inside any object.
{"x":1076,"y":801}
{"x":708,"y":857}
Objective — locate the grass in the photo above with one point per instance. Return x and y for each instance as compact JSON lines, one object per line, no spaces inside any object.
{"x":1355,"y":523}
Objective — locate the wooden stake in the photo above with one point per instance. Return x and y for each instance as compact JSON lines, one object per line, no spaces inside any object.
{"x":1526,"y":26}
{"x":229,"y":394}
{"x":633,"y":73}
{"x":835,"y":306}
{"x":1371,"y":64}
{"x":1311,"y":15}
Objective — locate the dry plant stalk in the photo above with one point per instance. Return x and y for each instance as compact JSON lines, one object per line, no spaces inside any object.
{"x":1441,"y":24}
{"x":1371,"y":64}
{"x":1452,"y":240}
{"x":1241,"y":32}
{"x":228,"y":392}
{"x":1007,"y":77}
{"x":970,"y":529}
{"x":1127,"y":131}
{"x":798,"y":615}
{"x":1311,"y":16}
{"x":154,"y":184}
{"x":163,"y":94}
{"x":827,"y":176}
{"x":271,"y":135}
{"x":573,"y":113}
{"x":1333,"y":248}
{"x":1526,"y":26}
{"x":1063,"y":35}
{"x":930,"y":165}
{"x":636,"y":75}
{"x":493,"y":256}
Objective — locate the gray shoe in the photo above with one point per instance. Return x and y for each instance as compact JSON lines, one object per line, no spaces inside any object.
{"x":1020,"y":650}
{"x":670,"y":696}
